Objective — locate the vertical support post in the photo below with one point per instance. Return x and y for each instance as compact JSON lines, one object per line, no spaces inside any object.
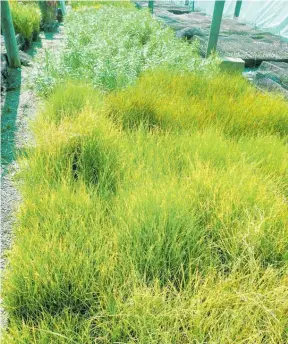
{"x":151,"y":6}
{"x":237,"y":9}
{"x":215,"y":26}
{"x":63,"y":7}
{"x":192,"y":6}
{"x":9,"y":35}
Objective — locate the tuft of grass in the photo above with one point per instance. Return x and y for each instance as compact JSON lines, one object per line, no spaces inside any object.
{"x":189,"y":101}
{"x":85,"y":151}
{"x":245,"y":307}
{"x":68,"y":100}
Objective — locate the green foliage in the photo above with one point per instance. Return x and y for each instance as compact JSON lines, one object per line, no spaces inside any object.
{"x":154,"y":214}
{"x":48,"y":9}
{"x":98,"y":4}
{"x":26,"y":18}
{"x":109,"y":47}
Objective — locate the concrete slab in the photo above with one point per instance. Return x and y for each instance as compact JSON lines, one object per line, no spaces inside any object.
{"x":230,"y":64}
{"x":252,"y":49}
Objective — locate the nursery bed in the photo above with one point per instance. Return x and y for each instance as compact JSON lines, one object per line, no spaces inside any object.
{"x":154,"y":201}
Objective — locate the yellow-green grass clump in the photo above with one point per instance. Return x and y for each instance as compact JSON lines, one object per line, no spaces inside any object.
{"x":67,"y":101}
{"x":192,"y":102}
{"x":136,"y":230}
{"x":26,"y":18}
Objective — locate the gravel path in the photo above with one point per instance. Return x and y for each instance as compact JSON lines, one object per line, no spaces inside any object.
{"x":18,"y":107}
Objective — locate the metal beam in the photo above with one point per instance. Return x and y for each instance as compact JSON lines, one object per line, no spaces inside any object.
{"x":9,"y":35}
{"x":192,"y":6}
{"x":215,"y":26}
{"x":237,"y":9}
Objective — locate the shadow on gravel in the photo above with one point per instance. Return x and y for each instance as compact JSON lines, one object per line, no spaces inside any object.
{"x":50,"y":35}
{"x":32,"y":51}
{"x":8,"y":119}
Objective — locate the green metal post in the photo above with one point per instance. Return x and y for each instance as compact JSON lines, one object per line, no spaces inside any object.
{"x":237,"y":9}
{"x":9,"y":35}
{"x":190,"y":4}
{"x":151,"y":6}
{"x":192,"y":8}
{"x":63,"y":7}
{"x":215,"y":26}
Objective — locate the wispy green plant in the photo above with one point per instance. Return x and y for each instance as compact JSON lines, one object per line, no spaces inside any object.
{"x":97,"y":4}
{"x":109,"y":47}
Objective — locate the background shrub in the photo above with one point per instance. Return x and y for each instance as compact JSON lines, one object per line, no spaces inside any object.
{"x":97,"y":4}
{"x":26,"y":18}
{"x":109,"y":47}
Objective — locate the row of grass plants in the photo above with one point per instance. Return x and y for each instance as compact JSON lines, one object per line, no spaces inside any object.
{"x":155,"y":200}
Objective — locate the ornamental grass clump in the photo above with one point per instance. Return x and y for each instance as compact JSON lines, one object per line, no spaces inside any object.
{"x":154,"y":214}
{"x":26,"y":18}
{"x":78,"y":152}
{"x":169,"y":100}
{"x":68,"y":100}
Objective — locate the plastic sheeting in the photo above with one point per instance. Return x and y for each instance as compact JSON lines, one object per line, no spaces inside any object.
{"x":269,"y":15}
